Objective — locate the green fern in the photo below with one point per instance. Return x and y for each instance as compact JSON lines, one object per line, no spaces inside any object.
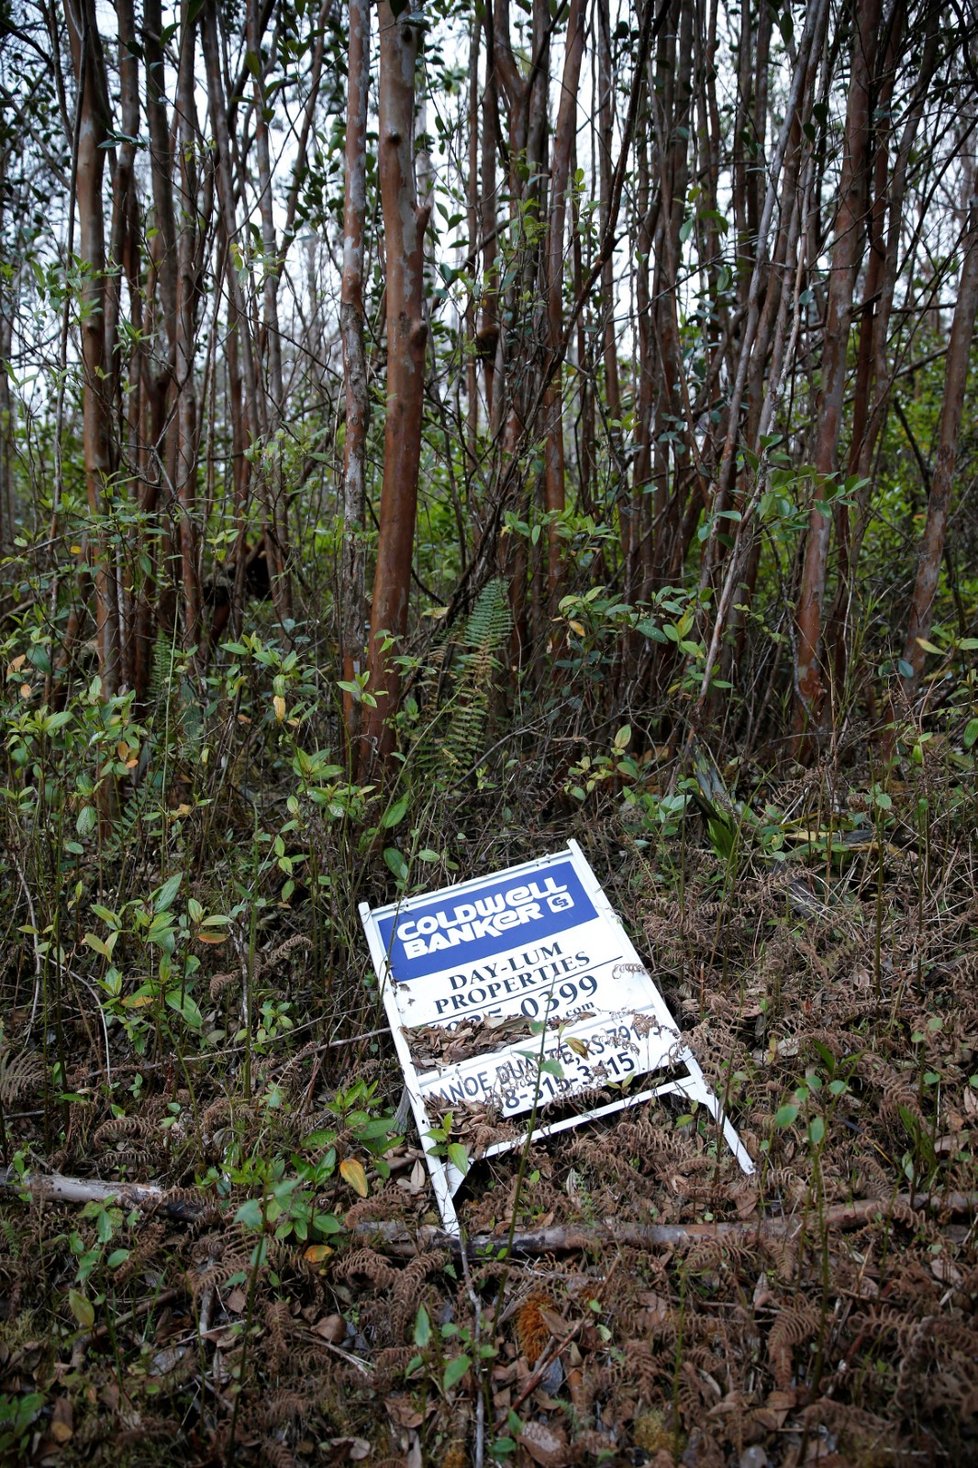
{"x":175,"y":719}
{"x":490,"y":620}
{"x":455,"y":734}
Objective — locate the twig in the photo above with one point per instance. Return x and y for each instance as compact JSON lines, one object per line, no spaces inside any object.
{"x":560,"y":1238}
{"x":539,"y":1371}
{"x":38,"y":965}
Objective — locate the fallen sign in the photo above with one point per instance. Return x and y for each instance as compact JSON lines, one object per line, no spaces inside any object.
{"x":513,"y":992}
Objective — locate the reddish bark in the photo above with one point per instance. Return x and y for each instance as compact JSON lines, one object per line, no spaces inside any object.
{"x":846,"y":253}
{"x":404,"y":225}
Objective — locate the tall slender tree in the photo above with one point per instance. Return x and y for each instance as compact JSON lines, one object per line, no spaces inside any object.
{"x":405,"y":222}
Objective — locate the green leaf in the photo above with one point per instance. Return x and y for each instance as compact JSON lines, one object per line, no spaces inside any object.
{"x":187,"y":1007}
{"x":455,"y":1370}
{"x":396,"y":863}
{"x":376,"y":1126}
{"x":422,"y":1328}
{"x":970,"y":733}
{"x":816,"y":1130}
{"x":785,"y":1115}
{"x":327,"y":1223}
{"x":91,"y":941}
{"x":86,"y":820}
{"x":458,"y":1156}
{"x":250,"y":1214}
{"x":165,"y":895}
{"x":396,"y":813}
{"x":82,"y":1309}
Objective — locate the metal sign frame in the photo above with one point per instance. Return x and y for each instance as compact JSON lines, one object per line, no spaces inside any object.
{"x":538,"y":942}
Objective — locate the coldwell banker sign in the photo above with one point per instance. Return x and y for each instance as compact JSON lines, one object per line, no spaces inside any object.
{"x":521,"y":990}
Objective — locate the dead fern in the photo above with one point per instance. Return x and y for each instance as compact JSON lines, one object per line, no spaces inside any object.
{"x":796,"y":1322}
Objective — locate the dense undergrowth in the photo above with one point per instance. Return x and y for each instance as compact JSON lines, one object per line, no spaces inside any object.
{"x":187,"y":1000}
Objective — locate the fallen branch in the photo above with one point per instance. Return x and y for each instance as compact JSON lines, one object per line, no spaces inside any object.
{"x":557,"y":1239}
{"x":573,"y":1238}
{"x":52,"y":1187}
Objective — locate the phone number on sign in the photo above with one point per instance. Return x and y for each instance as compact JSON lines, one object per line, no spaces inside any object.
{"x":521,"y":1077}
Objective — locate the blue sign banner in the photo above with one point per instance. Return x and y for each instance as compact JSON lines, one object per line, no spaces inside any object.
{"x":475,"y":923}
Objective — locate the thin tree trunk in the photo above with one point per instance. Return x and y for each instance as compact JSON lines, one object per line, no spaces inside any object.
{"x":93,"y":104}
{"x":472,"y":225}
{"x":185,"y":483}
{"x":873,"y":374}
{"x":559,"y":175}
{"x":404,"y":225}
{"x":955,"y":381}
{"x":846,"y":253}
{"x":243,"y":386}
{"x":352,"y":601}
{"x":277,"y":538}
{"x":801,"y":88}
{"x":124,"y":257}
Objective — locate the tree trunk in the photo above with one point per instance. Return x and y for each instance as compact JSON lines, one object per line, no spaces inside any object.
{"x":559,"y":175}
{"x":351,"y":598}
{"x":850,"y":223}
{"x":92,"y":133}
{"x":404,"y":225}
{"x":955,"y":382}
{"x":272,"y":387}
{"x":186,"y":305}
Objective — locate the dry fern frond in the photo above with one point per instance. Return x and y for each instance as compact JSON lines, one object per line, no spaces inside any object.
{"x":278,"y":1320}
{"x":277,"y":1454}
{"x":123,"y":1128}
{"x":289,"y":1404}
{"x":20,"y":1073}
{"x":795,"y":1323}
{"x":220,"y":983}
{"x":149,"y":1243}
{"x":370,"y":1265}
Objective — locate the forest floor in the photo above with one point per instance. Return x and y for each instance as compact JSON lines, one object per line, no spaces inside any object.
{"x":826,"y":981}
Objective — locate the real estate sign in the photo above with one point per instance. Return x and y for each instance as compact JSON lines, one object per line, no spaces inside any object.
{"x":516,"y":992}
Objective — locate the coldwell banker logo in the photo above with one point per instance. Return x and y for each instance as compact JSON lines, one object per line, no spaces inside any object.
{"x":508,"y":911}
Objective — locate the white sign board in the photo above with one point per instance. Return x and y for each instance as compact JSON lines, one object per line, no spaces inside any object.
{"x":520,"y":990}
